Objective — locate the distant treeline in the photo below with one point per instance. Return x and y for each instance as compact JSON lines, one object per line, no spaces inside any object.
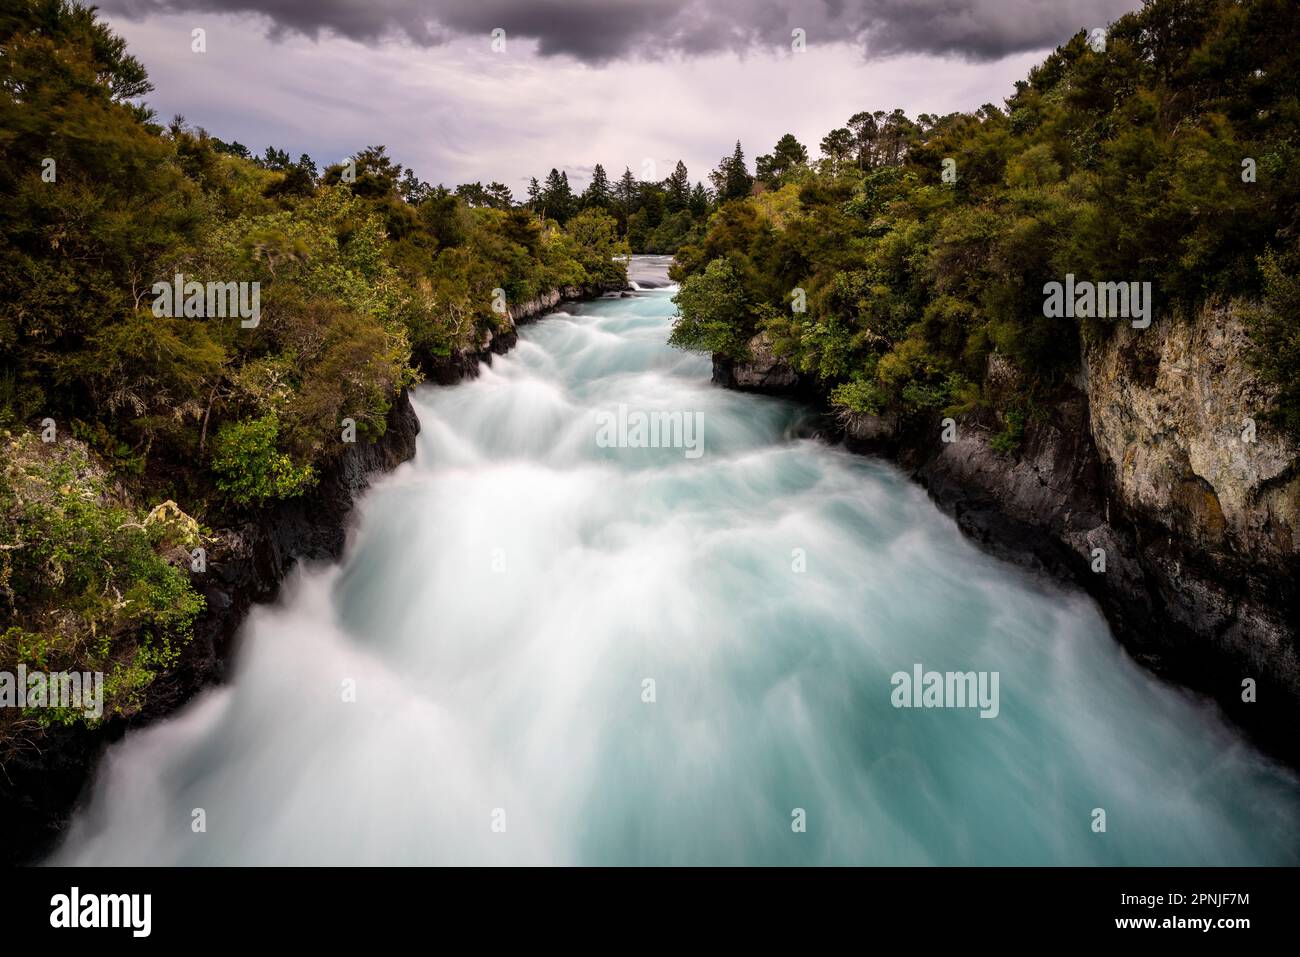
{"x":654,"y":217}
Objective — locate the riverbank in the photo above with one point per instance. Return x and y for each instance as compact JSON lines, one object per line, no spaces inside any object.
{"x":1133,"y":484}
{"x":246,"y":565}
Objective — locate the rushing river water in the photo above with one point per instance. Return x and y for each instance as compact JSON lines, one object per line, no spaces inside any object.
{"x":472,"y":684}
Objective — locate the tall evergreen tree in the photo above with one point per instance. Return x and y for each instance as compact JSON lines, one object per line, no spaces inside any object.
{"x":557,"y":196}
{"x":699,"y":200}
{"x":678,"y":187}
{"x":731,"y":180}
{"x":598,"y":192}
{"x":627,"y":192}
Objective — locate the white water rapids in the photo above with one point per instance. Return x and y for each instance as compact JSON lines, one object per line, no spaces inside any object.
{"x":507,"y":594}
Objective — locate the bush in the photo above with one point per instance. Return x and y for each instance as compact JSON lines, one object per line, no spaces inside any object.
{"x":250,"y":469}
{"x":84,"y":585}
{"x":1274,"y":326}
{"x":715,"y":315}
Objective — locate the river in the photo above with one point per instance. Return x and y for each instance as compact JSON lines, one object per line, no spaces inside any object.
{"x":544,"y":646}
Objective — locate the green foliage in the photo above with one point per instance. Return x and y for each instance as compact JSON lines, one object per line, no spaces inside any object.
{"x":1275,"y":328}
{"x":860,"y":395}
{"x":597,"y":247}
{"x":1122,"y":166}
{"x":715,"y":314}
{"x":84,"y":581}
{"x":1007,"y":442}
{"x":249,"y":467}
{"x":364,"y":273}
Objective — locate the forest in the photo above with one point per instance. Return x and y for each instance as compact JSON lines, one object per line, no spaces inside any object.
{"x":888,"y":270}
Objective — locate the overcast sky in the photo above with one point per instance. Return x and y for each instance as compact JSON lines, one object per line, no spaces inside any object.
{"x":620,"y":82}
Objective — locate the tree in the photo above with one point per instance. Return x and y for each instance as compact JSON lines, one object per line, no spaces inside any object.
{"x":598,"y":194}
{"x":78,"y":255}
{"x":275,"y":159}
{"x":377,"y":176}
{"x":714,"y":312}
{"x":837,"y":146}
{"x":557,"y":197}
{"x":731,"y":179}
{"x":413,"y":190}
{"x":699,"y":201}
{"x":787,"y":155}
{"x":678,"y":188}
{"x":627,"y":192}
{"x":233,"y":148}
{"x":652,"y":204}
{"x":595,"y":236}
{"x":442,"y":215}
{"x":473,"y":194}
{"x":865,"y":128}
{"x":299,"y":179}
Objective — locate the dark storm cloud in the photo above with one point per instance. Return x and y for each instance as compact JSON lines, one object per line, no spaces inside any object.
{"x":596,"y":31}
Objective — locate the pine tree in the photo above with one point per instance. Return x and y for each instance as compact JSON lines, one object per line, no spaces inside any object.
{"x":678,"y":187}
{"x":557,"y":196}
{"x":731,"y":180}
{"x":628,"y":192}
{"x":598,"y":192}
{"x":699,"y":200}
{"x":788,"y":154}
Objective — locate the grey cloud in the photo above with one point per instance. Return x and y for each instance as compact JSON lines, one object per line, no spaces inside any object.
{"x":596,"y":31}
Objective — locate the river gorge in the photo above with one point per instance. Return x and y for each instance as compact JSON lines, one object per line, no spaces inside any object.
{"x":541,"y":647}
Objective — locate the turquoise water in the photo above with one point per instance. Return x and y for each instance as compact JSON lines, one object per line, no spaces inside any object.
{"x":508,"y":594}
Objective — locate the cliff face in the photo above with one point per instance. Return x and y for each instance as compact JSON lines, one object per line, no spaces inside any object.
{"x":763,"y":371}
{"x":1146,"y":461}
{"x":1213,"y":495}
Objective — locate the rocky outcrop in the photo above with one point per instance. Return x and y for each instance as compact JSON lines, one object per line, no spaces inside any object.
{"x":1144,"y":483}
{"x":1210,"y":494}
{"x":762,"y":371}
